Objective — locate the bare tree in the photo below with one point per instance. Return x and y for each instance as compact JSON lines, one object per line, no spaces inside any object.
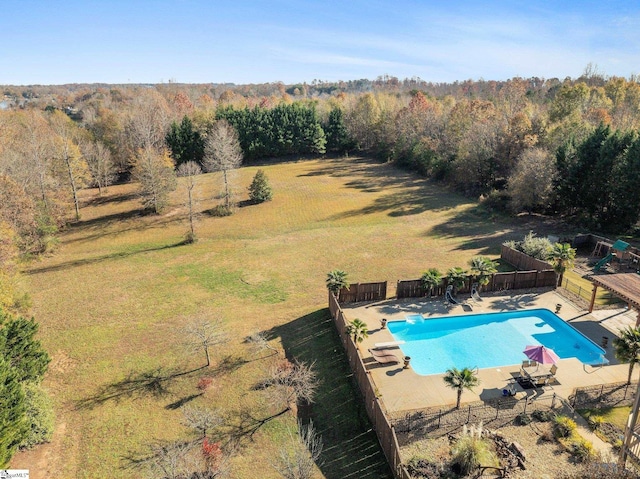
{"x":223,"y":153}
{"x":154,"y":171}
{"x":298,"y":457}
{"x":100,"y":163}
{"x":259,"y":342}
{"x":202,"y":335}
{"x":201,"y":420}
{"x":69,"y":156}
{"x":170,"y":461}
{"x":147,"y":124}
{"x":290,"y":383}
{"x":531,"y":183}
{"x":189,"y":171}
{"x":193,"y":460}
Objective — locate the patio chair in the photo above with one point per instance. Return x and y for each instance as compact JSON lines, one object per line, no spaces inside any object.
{"x":474,"y":293}
{"x":526,"y":363}
{"x":448,"y":296}
{"x":384,"y":356}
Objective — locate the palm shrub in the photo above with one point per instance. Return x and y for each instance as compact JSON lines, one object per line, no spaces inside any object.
{"x":582,"y":449}
{"x":260,"y":189}
{"x":627,"y":348}
{"x":482,"y":268}
{"x":336,"y":280}
{"x":457,"y":277}
{"x":562,"y":256}
{"x":461,"y":379}
{"x":563,"y":426}
{"x":471,"y":452}
{"x":358,"y":330}
{"x":431,"y":279}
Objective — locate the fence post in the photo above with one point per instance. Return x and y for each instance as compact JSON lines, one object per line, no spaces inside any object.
{"x":469,"y":415}
{"x":497,"y":408}
{"x":439,"y":417}
{"x":553,"y":401}
{"x":526,"y":401}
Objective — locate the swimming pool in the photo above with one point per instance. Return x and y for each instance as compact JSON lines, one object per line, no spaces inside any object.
{"x":488,"y":340}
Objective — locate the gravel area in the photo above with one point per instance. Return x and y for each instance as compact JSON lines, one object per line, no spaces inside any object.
{"x":544,"y":457}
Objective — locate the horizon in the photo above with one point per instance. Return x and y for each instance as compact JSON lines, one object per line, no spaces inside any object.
{"x":258,"y":42}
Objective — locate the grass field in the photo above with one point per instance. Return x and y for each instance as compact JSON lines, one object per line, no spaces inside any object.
{"x":112,"y":299}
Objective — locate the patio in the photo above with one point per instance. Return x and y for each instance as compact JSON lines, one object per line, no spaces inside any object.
{"x":404,"y":390}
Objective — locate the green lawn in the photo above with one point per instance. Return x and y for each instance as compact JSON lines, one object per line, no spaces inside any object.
{"x":112,"y":299}
{"x":614,"y":415}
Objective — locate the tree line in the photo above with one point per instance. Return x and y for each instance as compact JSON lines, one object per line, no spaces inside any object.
{"x":515,"y":144}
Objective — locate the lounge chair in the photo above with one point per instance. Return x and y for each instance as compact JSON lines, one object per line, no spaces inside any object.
{"x":474,"y":293}
{"x":383,"y":356}
{"x":448,"y":296}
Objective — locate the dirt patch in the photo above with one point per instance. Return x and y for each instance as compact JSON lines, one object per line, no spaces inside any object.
{"x":61,"y":363}
{"x":544,"y":458}
{"x":44,"y":461}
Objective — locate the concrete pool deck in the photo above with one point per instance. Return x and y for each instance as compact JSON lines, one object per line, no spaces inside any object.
{"x":404,"y":390}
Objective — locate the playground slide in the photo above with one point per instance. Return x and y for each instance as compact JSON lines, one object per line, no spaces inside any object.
{"x":602,"y":262}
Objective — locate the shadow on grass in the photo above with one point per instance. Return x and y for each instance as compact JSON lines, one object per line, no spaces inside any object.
{"x":100,"y":259}
{"x":351,"y":448}
{"x":407,"y":194}
{"x":154,"y":382}
{"x":108,"y":198}
{"x":182,"y":401}
{"x":487,"y":230}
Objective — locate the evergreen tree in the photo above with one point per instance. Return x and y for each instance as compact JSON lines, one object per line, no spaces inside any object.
{"x":186,"y":143}
{"x":260,"y":190}
{"x":287,"y":129}
{"x":336,"y":131}
{"x":21,"y":350}
{"x":14,"y":426}
{"x":39,"y":415}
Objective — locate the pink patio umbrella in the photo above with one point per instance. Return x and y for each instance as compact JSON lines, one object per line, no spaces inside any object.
{"x":541,"y":354}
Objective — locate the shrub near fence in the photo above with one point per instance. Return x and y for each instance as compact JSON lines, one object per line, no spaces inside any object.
{"x":373,"y":404}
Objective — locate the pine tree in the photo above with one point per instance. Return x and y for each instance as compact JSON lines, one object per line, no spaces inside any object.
{"x":14,"y":426}
{"x":185,"y":142}
{"x":260,"y":190}
{"x":336,"y":131}
{"x":21,"y":350}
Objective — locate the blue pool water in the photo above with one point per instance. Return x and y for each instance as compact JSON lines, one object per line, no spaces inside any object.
{"x":488,"y":340}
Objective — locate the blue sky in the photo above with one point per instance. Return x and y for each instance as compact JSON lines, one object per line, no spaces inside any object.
{"x":218,"y":41}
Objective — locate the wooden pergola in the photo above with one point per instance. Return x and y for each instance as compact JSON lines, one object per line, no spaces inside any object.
{"x":625,"y":286}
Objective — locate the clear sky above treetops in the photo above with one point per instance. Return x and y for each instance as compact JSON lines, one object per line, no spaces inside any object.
{"x":218,"y":41}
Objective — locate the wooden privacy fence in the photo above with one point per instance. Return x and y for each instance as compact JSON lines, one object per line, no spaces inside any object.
{"x":373,"y":404}
{"x":522,"y":261}
{"x":497,"y":282}
{"x":363,"y":292}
